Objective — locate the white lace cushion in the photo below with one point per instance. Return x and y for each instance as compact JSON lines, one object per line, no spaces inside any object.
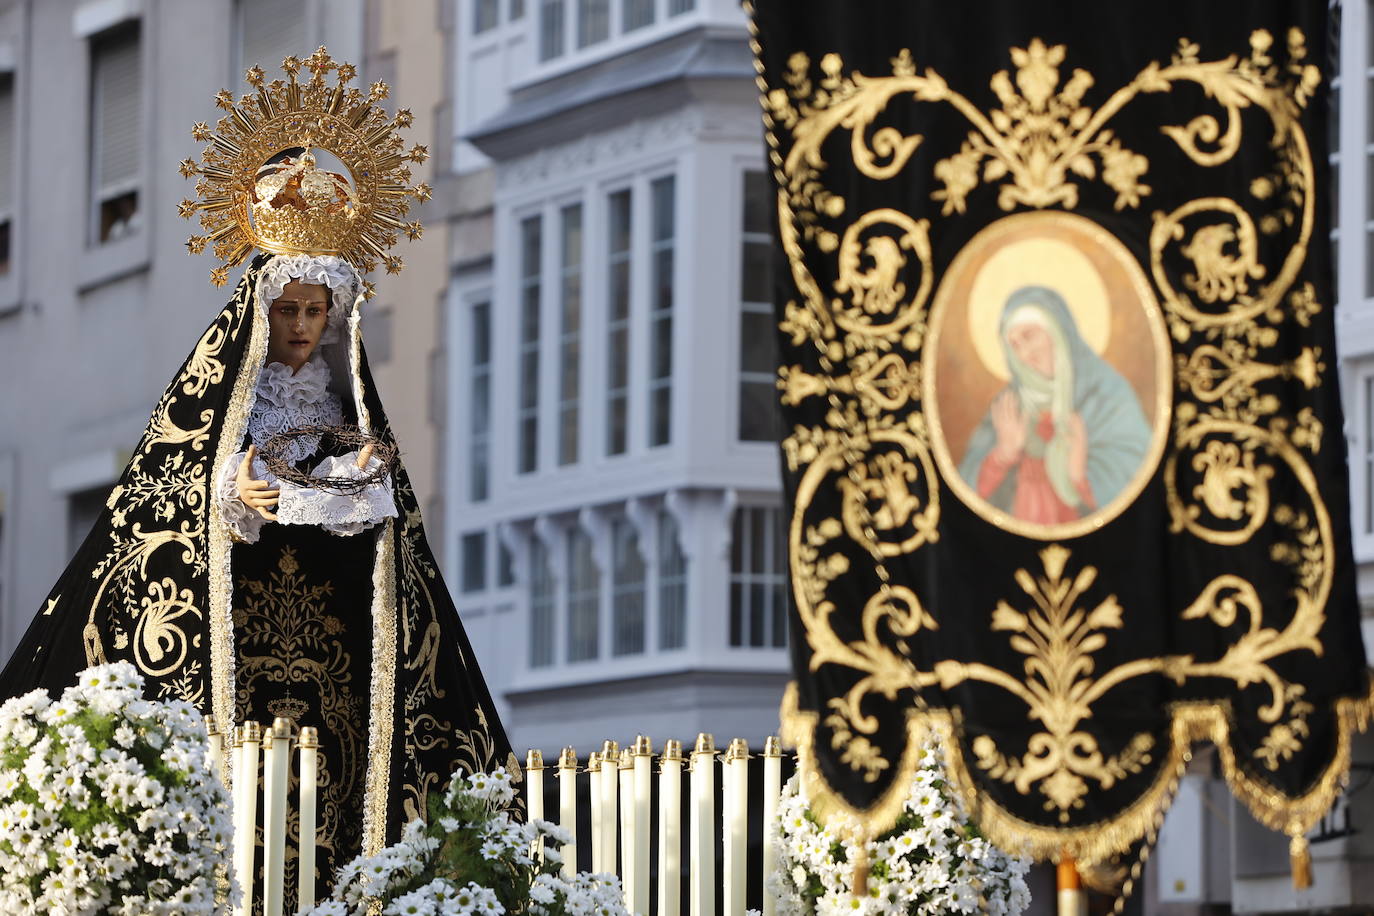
{"x":338,"y":513}
{"x":324,"y":269}
{"x":245,"y":523}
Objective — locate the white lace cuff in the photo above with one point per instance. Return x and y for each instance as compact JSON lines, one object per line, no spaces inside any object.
{"x":338,"y":513}
{"x":244,"y":523}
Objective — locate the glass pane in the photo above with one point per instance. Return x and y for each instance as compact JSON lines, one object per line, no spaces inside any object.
{"x":736,"y":614}
{"x":567,"y":435}
{"x":529,"y":314}
{"x":779,"y":617}
{"x":680,"y":6}
{"x":758,"y":598}
{"x":758,"y":412}
{"x":637,"y":14}
{"x":568,"y":374}
{"x":505,"y":565}
{"x":660,"y":424}
{"x":478,"y":482}
{"x":1333,"y":121}
{"x":618,"y":363}
{"x":758,"y":195}
{"x":620,"y":291}
{"x":486,"y":15}
{"x":618,"y":216}
{"x":481,"y":403}
{"x":616,"y":437}
{"x":737,"y":529}
{"x":529,"y":380}
{"x":517,"y":9}
{"x":663,"y":280}
{"x":758,"y":541}
{"x":662,"y":365}
{"x":475,"y":561}
{"x":572,"y":235}
{"x":550,"y":29}
{"x":1369,"y":264}
{"x":529,"y":245}
{"x":758,"y":343}
{"x":593,"y":21}
{"x":481,"y":333}
{"x":755,"y":279}
{"x":529,"y":434}
{"x":663,"y":207}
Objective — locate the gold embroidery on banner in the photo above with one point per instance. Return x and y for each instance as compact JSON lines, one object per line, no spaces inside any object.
{"x":1228,"y":442}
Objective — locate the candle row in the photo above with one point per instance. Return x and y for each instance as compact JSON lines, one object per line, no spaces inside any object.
{"x":620,"y":792}
{"x":274,"y":745}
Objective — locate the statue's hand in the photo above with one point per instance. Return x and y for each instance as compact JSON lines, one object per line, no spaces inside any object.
{"x":255,"y":494}
{"x":1010,"y":426}
{"x":364,"y":456}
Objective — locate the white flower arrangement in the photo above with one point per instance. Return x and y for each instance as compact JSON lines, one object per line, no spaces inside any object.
{"x":932,"y":862}
{"x":471,"y":859}
{"x":107,"y":805}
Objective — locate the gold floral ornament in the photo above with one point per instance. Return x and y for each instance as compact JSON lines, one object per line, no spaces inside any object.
{"x":260,"y":184}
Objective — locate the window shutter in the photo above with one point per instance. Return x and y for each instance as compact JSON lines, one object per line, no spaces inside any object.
{"x":117,"y":78}
{"x":6,"y":143}
{"x":270,"y":30}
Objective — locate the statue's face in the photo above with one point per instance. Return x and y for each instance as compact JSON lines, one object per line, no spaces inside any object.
{"x":297,"y":318}
{"x":1034,"y":345}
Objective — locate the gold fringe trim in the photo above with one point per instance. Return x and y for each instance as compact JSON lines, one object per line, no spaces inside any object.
{"x":382,"y":718}
{"x":222,"y":660}
{"x":1191,"y":722}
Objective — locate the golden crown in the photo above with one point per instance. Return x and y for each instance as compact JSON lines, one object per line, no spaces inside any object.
{"x":260,"y":185}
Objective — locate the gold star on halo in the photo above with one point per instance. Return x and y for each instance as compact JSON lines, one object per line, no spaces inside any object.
{"x":186,"y":209}
{"x":291,"y":65}
{"x":224,"y":99}
{"x":393,"y":264}
{"x":320,"y":62}
{"x":196,"y":244}
{"x":188,"y":167}
{"x":419,"y":153}
{"x":423,"y":191}
{"x":414,"y":230}
{"x":404,"y":117}
{"x":201,"y":132}
{"x":379,"y":91}
{"x":369,"y":289}
{"x":347,"y":72}
{"x":219,"y":276}
{"x":254,"y":75}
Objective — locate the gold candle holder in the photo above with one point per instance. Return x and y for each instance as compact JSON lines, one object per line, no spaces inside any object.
{"x":738,"y":750}
{"x":627,"y":759}
{"x":772,"y":746}
{"x":534,"y":760}
{"x":594,"y":762}
{"x":309,"y":737}
{"x":567,"y":760}
{"x":644,"y":747}
{"x":672,"y":753}
{"x":211,"y":726}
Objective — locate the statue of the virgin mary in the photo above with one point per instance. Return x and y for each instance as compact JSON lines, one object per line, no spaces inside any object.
{"x":252,"y":593}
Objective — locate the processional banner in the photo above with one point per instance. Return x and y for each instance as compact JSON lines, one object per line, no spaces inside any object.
{"x":1062,"y":435}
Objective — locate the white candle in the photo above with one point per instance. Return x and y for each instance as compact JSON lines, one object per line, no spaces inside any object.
{"x":598,"y":835}
{"x":643,"y":789}
{"x":736,"y":816}
{"x":703,"y":854}
{"x":276,"y":761}
{"x":567,"y":808}
{"x":534,"y":794}
{"x":216,"y":746}
{"x":670,"y":830}
{"x":628,"y":872}
{"x":247,"y":739}
{"x":610,"y":764}
{"x":772,"y":792}
{"x":310,"y":768}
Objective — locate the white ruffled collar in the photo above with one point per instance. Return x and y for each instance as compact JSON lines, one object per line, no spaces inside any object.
{"x":280,"y":387}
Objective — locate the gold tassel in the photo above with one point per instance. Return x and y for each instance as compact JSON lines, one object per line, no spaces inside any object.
{"x":1301,"y":861}
{"x":860,"y":881}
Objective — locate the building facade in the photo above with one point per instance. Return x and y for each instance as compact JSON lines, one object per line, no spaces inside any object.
{"x":611,"y":481}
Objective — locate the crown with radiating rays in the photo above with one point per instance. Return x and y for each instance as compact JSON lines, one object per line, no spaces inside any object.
{"x":260,"y":184}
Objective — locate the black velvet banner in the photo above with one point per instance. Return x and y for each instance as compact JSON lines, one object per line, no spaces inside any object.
{"x":1063,"y":441}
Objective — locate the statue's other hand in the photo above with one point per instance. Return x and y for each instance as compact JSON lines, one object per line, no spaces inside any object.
{"x":255,"y":494}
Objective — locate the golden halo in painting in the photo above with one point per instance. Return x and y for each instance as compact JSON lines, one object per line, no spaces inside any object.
{"x":1048,"y":375}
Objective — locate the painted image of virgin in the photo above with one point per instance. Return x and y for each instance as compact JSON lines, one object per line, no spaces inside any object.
{"x":1067,"y":433}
